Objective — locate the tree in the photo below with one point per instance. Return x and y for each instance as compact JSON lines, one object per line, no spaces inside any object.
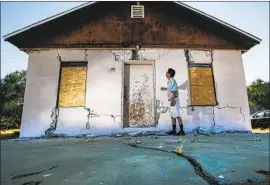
{"x":11,"y":99}
{"x":258,"y":94}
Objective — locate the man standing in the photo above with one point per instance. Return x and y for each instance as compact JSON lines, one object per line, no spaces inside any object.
{"x":174,"y":109}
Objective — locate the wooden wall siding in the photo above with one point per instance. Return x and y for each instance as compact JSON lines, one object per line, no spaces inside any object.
{"x":157,"y":29}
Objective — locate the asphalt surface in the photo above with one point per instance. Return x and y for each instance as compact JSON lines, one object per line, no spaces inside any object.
{"x":233,"y":158}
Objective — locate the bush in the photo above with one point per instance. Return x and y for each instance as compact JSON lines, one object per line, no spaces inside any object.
{"x":11,"y":99}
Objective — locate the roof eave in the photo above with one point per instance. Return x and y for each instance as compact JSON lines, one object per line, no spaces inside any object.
{"x":8,"y":36}
{"x":254,"y":38}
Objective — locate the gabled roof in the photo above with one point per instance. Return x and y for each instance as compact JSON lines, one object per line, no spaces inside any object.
{"x":220,"y":22}
{"x":255,"y":40}
{"x":6,"y":37}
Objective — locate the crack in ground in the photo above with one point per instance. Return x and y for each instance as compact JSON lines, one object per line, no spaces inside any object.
{"x":31,"y":174}
{"x":200,"y":171}
{"x":196,"y":165}
{"x":264,"y":172}
{"x":32,"y":183}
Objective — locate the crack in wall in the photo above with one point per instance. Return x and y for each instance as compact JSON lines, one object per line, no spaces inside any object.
{"x":122,"y":55}
{"x":58,"y":57}
{"x":227,"y":106}
{"x":55,"y":110}
{"x":210,"y":53}
{"x":158,"y":57}
{"x":54,"y":117}
{"x":166,"y":52}
{"x":199,"y":170}
{"x":85,"y":55}
{"x":214,"y":121}
{"x":92,"y":114}
{"x":87,"y":125}
{"x":187,"y":55}
{"x":240,"y":110}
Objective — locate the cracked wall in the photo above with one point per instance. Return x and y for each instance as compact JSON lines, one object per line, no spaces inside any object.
{"x":232,"y":111}
{"x":231,"y":91}
{"x":40,"y":91}
{"x":104,"y":91}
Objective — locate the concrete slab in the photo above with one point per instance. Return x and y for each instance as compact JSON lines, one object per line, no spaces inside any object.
{"x":92,"y":161}
{"x":230,"y":158}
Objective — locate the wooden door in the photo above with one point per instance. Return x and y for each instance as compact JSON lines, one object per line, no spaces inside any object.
{"x":138,"y":96}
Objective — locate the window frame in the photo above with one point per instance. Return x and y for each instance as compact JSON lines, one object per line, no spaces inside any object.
{"x":266,"y":114}
{"x":71,"y":64}
{"x":261,"y":112}
{"x":203,"y":65}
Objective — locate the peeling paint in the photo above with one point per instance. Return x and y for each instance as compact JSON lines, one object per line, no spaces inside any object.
{"x":112,"y":69}
{"x":122,"y":55}
{"x":160,"y":109}
{"x":140,"y":107}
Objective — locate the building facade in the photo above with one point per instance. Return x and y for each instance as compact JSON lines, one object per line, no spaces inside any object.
{"x":99,"y":68}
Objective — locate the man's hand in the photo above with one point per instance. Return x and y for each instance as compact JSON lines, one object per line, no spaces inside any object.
{"x":163,"y":89}
{"x":173,"y":102}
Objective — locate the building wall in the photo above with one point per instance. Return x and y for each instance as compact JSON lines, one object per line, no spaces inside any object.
{"x":104,"y":91}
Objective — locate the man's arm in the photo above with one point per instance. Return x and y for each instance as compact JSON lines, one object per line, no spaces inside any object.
{"x":174,"y":94}
{"x":163,"y":88}
{"x":173,"y":89}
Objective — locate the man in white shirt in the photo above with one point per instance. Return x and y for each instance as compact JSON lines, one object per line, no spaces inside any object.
{"x":174,"y":109}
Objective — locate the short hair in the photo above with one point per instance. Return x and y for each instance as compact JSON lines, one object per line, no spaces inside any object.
{"x":171,"y":71}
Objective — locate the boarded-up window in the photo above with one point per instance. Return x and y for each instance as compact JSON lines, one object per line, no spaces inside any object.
{"x":72,"y":84}
{"x":201,"y":82}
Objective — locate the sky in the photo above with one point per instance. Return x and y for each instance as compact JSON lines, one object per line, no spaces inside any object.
{"x":252,"y":17}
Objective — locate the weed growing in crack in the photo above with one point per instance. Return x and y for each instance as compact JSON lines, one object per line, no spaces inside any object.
{"x":179,"y":150}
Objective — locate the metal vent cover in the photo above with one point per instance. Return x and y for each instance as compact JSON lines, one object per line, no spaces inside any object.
{"x":137,"y":11}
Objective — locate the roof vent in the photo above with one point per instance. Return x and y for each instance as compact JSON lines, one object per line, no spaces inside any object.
{"x":137,"y":11}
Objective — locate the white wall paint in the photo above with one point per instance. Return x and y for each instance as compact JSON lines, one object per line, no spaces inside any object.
{"x":104,"y":91}
{"x":231,"y":90}
{"x":40,"y":93}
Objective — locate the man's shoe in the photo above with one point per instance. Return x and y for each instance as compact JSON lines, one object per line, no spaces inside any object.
{"x":181,"y":133}
{"x":171,"y":132}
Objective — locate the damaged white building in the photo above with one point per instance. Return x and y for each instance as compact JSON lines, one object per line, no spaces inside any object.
{"x":99,"y":68}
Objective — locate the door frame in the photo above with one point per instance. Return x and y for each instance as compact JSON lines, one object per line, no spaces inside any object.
{"x":138,"y":62}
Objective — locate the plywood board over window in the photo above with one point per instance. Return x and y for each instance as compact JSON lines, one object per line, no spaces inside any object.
{"x":72,"y":88}
{"x":201,"y":81}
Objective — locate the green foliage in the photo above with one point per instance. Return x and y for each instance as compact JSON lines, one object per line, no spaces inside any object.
{"x":258,"y":95}
{"x":11,"y":99}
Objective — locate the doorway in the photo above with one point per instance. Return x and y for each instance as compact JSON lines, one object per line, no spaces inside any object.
{"x":139,"y":99}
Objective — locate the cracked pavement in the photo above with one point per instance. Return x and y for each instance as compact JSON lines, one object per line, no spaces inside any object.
{"x":224,"y":158}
